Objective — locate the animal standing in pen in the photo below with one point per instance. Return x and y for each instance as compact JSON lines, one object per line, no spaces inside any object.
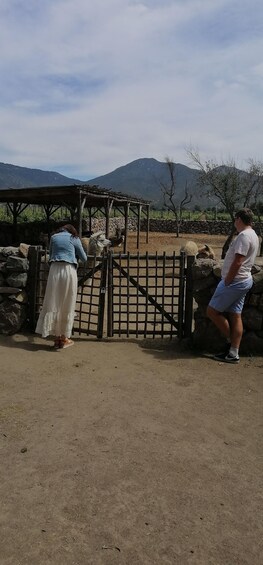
{"x":94,"y":247}
{"x":204,"y":252}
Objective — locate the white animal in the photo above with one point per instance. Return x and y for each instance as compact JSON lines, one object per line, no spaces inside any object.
{"x":204,"y":252}
{"x":94,"y":246}
{"x":190,"y":248}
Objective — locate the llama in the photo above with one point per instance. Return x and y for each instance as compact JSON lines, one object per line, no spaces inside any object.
{"x":204,"y":252}
{"x":190,"y":248}
{"x":117,"y":239}
{"x":94,"y":247}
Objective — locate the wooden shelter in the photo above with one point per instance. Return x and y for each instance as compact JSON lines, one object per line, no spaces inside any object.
{"x":76,"y":198}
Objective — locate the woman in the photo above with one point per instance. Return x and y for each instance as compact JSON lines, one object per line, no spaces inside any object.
{"x":57,"y":315}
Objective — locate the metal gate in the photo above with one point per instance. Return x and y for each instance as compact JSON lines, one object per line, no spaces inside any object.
{"x":125,"y":295}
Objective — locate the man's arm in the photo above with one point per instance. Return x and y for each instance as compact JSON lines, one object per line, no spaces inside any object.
{"x":234,"y":268}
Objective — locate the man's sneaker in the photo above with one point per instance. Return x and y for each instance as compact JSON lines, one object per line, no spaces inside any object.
{"x":224,"y":352}
{"x":226,"y":358}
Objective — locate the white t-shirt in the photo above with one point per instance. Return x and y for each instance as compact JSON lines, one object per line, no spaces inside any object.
{"x":246,"y":243}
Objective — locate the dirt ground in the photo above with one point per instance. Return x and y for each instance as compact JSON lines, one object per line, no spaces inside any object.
{"x":128,"y":452}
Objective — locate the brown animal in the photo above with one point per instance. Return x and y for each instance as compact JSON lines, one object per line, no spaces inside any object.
{"x":118,"y":239}
{"x":205,"y":252}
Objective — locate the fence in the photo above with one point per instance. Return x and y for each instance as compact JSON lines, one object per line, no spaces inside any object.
{"x":125,"y":294}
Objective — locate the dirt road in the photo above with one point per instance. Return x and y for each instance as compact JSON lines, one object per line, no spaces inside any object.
{"x":128,"y":453}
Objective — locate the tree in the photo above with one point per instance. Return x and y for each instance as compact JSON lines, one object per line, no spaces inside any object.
{"x":256,"y":169}
{"x":170,"y":199}
{"x":230,"y":186}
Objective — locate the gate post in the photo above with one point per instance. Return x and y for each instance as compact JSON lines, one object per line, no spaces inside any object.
{"x":103,"y":282}
{"x":34,"y":263}
{"x":110,"y":296}
{"x":188,"y":320}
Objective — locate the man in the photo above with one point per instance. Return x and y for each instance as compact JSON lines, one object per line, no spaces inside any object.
{"x":236,"y":281}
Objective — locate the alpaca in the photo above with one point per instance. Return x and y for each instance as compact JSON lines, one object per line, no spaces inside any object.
{"x":94,"y":247}
{"x":189,"y":248}
{"x":206,"y":252}
{"x":117,"y":239}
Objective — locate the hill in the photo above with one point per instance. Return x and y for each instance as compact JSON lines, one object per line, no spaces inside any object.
{"x":12,"y":176}
{"x":143,"y":178}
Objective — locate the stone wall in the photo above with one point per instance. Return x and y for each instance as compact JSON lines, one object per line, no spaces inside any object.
{"x":212,"y":227}
{"x":14,"y":268}
{"x":206,"y":275}
{"x":31,"y":232}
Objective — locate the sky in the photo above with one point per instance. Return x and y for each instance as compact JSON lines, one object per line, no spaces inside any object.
{"x":90,"y":85}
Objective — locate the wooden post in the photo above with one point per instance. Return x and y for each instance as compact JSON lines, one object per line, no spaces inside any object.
{"x":110,"y":296}
{"x":139,"y":225}
{"x":188,"y":320}
{"x":108,"y":207}
{"x":80,"y":208}
{"x":148,"y":223}
{"x":127,"y":209}
{"x":34,"y":262}
{"x":103,"y":283}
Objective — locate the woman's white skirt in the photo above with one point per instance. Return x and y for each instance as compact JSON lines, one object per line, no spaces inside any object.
{"x":57,"y":314}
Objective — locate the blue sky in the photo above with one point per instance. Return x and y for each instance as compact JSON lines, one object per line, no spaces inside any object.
{"x":89,"y":86}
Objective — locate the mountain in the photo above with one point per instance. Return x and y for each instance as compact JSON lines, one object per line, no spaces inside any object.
{"x":12,"y":176}
{"x":143,"y":178}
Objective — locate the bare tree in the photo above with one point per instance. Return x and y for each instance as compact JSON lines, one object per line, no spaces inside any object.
{"x":232,"y":187}
{"x":256,"y":170}
{"x":170,"y":196}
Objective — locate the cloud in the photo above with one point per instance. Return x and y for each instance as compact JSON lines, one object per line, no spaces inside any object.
{"x":89,"y":86}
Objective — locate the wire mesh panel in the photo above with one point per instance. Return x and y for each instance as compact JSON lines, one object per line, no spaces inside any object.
{"x":145,"y":295}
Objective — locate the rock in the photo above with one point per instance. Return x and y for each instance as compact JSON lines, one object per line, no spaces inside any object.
{"x":18,"y":280}
{"x":202,"y":296}
{"x":217,"y":271}
{"x":258,"y":282}
{"x":9,"y":290}
{"x":202,"y":268}
{"x":252,"y":318}
{"x":12,"y":317}
{"x":21,"y":297}
{"x":206,"y":337}
{"x":255,"y":269}
{"x":254,"y":300}
{"x":17,"y":264}
{"x":7,"y":251}
{"x":251,"y":344}
{"x":201,"y":284}
{"x":23,"y":248}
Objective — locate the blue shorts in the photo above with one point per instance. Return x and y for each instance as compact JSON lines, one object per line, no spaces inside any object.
{"x":230,"y":298}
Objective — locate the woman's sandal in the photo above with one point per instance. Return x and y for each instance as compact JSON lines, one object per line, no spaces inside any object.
{"x":57,"y":343}
{"x":66,"y":343}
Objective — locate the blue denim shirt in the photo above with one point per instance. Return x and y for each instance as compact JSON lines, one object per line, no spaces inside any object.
{"x":65,"y":247}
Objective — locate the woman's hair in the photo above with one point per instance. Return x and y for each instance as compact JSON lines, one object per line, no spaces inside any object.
{"x":68,"y":227}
